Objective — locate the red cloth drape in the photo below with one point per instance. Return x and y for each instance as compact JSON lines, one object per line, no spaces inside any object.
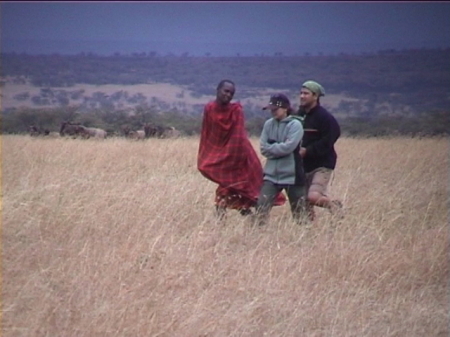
{"x":227,"y":157}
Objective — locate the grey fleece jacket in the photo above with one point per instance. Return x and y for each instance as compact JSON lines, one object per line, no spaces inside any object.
{"x":280,"y":142}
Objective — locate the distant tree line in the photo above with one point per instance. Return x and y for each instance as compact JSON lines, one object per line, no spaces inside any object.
{"x":418,"y":77}
{"x":19,"y":121}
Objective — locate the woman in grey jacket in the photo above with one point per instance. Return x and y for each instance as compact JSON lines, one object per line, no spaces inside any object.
{"x":280,"y":142}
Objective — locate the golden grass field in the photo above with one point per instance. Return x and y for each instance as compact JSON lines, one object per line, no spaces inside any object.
{"x":118,"y":238}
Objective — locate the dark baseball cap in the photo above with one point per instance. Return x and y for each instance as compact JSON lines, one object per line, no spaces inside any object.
{"x":278,"y":101}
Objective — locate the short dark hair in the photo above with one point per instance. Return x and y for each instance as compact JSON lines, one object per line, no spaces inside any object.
{"x":221,"y":83}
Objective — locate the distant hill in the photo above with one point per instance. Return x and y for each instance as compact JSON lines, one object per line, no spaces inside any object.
{"x":409,"y":81}
{"x":385,"y":89}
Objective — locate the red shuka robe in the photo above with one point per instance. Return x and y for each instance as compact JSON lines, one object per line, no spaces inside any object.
{"x":227,"y":157}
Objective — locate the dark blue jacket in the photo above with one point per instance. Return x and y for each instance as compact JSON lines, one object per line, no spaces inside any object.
{"x":321,"y":131}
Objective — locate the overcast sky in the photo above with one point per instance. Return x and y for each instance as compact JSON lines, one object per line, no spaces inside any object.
{"x":222,"y":27}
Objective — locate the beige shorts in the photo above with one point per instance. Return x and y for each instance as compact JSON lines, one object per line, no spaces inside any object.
{"x":318,"y":180}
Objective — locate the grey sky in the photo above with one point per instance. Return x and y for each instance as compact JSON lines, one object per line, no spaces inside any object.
{"x":291,"y":27}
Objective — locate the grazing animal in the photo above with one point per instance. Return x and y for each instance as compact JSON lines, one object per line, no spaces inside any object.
{"x":86,"y":132}
{"x":35,"y":131}
{"x":171,"y":132}
{"x":139,"y":134}
{"x":69,"y":129}
{"x":152,"y":130}
{"x":72,"y":129}
{"x":126,"y":131}
{"x":158,"y":131}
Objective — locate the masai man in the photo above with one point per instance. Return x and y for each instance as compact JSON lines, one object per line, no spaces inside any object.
{"x":227,"y":157}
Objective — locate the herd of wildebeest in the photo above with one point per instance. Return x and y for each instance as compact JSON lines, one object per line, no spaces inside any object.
{"x":77,"y":130}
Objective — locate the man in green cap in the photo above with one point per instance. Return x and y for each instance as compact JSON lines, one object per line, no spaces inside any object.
{"x":321,"y":131}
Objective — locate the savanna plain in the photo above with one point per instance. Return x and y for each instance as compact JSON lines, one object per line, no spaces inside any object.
{"x":118,"y":238}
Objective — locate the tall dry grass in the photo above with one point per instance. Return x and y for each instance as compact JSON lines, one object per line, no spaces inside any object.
{"x":118,"y":238}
